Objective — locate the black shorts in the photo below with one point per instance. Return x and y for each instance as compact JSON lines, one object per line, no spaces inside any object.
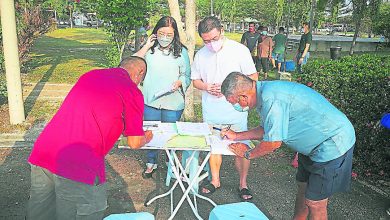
{"x":325,"y":178}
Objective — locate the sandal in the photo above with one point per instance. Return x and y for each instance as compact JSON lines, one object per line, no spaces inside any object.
{"x":149,"y":166}
{"x":245,"y":192}
{"x":210,"y":187}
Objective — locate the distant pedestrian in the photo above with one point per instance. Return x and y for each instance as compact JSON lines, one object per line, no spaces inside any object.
{"x":280,"y":46}
{"x":251,"y":39}
{"x":264,"y":51}
{"x":303,"y":53}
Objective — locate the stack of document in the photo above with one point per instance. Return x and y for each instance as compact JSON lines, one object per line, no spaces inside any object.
{"x":193,"y":129}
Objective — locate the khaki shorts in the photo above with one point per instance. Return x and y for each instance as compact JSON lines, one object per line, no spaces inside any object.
{"x":55,"y":197}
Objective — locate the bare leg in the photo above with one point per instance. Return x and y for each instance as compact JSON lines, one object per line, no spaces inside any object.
{"x":279,"y":65}
{"x":215,"y":166}
{"x":301,"y":210}
{"x":318,"y":209}
{"x":242,"y":166}
{"x":273,"y":62}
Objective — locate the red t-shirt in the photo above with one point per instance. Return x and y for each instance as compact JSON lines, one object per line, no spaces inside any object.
{"x":101,"y":105}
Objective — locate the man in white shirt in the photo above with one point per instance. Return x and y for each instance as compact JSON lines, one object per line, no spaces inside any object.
{"x":219,"y":57}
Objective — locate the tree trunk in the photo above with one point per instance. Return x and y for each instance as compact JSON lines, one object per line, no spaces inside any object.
{"x":174,"y":9}
{"x":187,"y":38}
{"x":11,"y":61}
{"x":137,"y":43}
{"x":189,"y":114}
{"x":357,"y":28}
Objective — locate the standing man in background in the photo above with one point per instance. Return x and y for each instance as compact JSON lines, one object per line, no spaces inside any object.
{"x":212,"y":63}
{"x":265,"y":51}
{"x":250,"y":39}
{"x":303,"y":53}
{"x":280,"y":46}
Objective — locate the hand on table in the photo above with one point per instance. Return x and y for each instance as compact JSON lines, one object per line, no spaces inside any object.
{"x":148,"y":136}
{"x":238,"y":148}
{"x":228,"y":134}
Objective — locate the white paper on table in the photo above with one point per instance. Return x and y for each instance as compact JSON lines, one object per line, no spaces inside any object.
{"x":194,"y":129}
{"x":219,"y":145}
{"x":160,"y":139}
{"x":169,"y":128}
{"x":151,"y":125}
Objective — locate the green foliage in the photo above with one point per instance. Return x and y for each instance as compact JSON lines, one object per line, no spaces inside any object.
{"x":360,"y":87}
{"x":122,"y":16}
{"x":381,"y":24}
{"x":112,"y":56}
{"x":3,"y":89}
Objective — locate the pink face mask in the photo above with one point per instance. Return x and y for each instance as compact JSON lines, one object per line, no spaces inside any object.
{"x":215,"y":46}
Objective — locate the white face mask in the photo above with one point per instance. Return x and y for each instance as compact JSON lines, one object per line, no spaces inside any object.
{"x":164,"y":41}
{"x":238,"y":107}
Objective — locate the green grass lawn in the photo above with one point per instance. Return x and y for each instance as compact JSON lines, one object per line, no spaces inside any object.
{"x":63,"y":55}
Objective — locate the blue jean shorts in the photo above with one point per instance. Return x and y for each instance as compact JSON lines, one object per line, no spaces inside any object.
{"x":325,"y":178}
{"x":278,"y":56}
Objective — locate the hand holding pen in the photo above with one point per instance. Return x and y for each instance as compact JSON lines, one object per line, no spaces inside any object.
{"x":229,"y":134}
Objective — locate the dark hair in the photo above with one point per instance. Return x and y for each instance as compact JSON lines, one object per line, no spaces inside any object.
{"x":251,"y":23}
{"x":281,"y":29}
{"x":168,"y":21}
{"x":260,"y":28}
{"x":306,"y":23}
{"x":208,"y":24}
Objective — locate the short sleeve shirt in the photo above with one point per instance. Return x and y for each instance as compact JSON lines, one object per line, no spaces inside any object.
{"x":101,"y":106}
{"x":304,"y":120}
{"x":266,"y":47}
{"x":305,"y":39}
{"x":280,"y":41}
{"x":213,"y":67}
{"x":251,"y":40}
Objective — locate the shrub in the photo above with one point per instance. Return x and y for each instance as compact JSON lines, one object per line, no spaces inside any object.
{"x":112,"y":56}
{"x":3,"y":89}
{"x":360,"y":87}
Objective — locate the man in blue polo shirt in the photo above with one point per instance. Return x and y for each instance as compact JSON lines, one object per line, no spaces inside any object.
{"x":306,"y":122}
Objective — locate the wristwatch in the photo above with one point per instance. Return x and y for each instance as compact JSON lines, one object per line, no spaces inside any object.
{"x":247,"y":154}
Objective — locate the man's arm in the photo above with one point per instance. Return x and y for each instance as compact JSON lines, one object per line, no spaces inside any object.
{"x":253,"y":134}
{"x":213,"y":89}
{"x":243,"y":39}
{"x":254,"y":76}
{"x":136,"y":142}
{"x":264,"y":148}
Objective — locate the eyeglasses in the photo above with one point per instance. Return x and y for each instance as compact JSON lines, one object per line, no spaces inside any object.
{"x":162,"y":34}
{"x":216,"y":38}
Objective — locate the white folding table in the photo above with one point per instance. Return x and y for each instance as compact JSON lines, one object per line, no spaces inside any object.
{"x":180,"y":174}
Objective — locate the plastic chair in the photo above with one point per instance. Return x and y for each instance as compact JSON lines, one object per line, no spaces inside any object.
{"x":191,"y":169}
{"x":237,"y":211}
{"x":130,"y":216}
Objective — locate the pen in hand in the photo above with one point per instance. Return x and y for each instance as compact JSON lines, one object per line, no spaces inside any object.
{"x":227,"y":129}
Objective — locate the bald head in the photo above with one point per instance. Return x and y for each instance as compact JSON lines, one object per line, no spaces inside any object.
{"x":136,"y":67}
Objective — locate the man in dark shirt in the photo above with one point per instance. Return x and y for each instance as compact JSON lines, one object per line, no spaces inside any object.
{"x":250,"y":39}
{"x":304,"y":46}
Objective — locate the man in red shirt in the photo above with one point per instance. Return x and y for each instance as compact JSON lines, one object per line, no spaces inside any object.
{"x":67,"y":161}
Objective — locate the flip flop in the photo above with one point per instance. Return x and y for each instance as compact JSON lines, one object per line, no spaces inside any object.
{"x":210,"y":187}
{"x":149,"y":175}
{"x":245,"y":192}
